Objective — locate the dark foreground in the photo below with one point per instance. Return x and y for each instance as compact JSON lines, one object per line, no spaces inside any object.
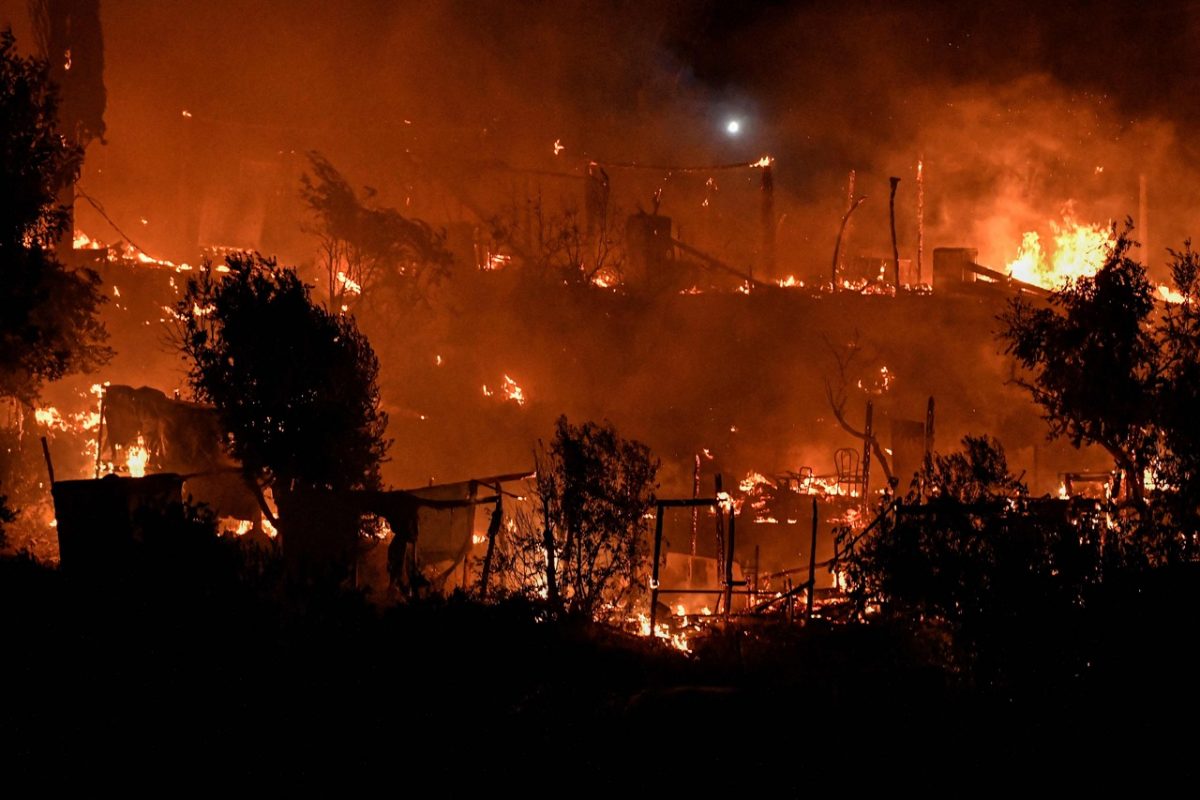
{"x":177,"y":675}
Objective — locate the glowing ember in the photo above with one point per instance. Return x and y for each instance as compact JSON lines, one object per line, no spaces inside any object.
{"x":558,"y":146}
{"x":136,"y":459}
{"x":1079,"y":252}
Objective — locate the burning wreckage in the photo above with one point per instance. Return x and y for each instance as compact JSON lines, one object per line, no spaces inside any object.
{"x":768,"y":544}
{"x":153,"y":452}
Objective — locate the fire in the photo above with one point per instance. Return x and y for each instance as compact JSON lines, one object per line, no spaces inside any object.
{"x":752,"y":480}
{"x":879,"y":385}
{"x":513,"y":392}
{"x":349,"y":285}
{"x":662,"y":631}
{"x":49,"y":417}
{"x":765,"y":161}
{"x":1079,"y":252}
{"x":558,"y":146}
{"x":605,"y":279}
{"x":1170,"y":295}
{"x":496,"y":261}
{"x":789,"y":282}
{"x":82,"y":241}
{"x":137,"y":458}
{"x":510,"y":390}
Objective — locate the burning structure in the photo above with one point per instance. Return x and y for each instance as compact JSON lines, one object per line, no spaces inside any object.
{"x":703,"y":295}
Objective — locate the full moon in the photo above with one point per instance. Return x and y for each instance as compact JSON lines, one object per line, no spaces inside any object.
{"x":733,"y":126}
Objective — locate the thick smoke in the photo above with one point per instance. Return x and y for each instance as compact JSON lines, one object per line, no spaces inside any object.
{"x":450,"y":111}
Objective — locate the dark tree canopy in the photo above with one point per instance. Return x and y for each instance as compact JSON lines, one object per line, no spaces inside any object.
{"x":977,"y":559}
{"x":48,"y":324}
{"x":294,"y":383}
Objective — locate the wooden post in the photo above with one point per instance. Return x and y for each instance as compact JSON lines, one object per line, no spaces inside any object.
{"x":920,"y":219}
{"x":100,"y":430}
{"x":791,"y":602}
{"x":720,"y":520}
{"x":493,"y":532}
{"x":695,"y":515}
{"x":812,"y":567}
{"x":895,"y":251}
{"x":658,"y":532}
{"x":729,"y":563}
{"x":756,"y":563}
{"x":49,"y":463}
{"x":768,"y":222}
{"x":869,"y":433}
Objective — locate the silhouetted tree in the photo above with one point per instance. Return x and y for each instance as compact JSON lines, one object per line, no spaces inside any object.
{"x":978,"y":560}
{"x":1177,"y":334}
{"x":582,"y":546}
{"x":594,"y":489}
{"x":48,"y":322}
{"x":1093,"y":361}
{"x":1113,"y":364}
{"x":6,"y":516}
{"x":365,"y":246}
{"x":294,"y":383}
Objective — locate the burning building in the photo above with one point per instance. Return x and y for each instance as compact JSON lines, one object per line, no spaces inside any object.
{"x":711,"y":291}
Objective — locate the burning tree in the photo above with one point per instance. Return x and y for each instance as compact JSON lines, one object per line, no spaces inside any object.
{"x":1093,"y":361}
{"x":1112,"y":364}
{"x":294,"y":383}
{"x":363,"y":245}
{"x":587,"y":539}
